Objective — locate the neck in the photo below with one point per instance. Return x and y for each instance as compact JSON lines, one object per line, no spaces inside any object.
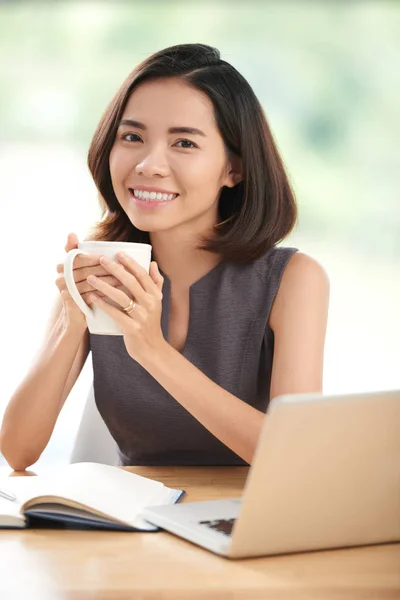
{"x":177,"y":257}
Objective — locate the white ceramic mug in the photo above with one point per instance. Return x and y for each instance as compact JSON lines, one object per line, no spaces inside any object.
{"x":97,"y":320}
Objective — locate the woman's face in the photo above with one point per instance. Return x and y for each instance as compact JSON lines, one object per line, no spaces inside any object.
{"x":147,"y":154}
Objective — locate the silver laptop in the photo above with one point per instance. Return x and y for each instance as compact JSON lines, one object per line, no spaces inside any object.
{"x":326,"y":474}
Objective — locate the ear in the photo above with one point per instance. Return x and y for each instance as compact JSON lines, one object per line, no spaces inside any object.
{"x":233,"y":171}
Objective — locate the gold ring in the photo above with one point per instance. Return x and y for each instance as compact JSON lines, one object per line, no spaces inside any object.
{"x":131,"y":306}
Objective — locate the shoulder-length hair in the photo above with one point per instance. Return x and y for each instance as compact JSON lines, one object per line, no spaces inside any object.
{"x":259,"y":211}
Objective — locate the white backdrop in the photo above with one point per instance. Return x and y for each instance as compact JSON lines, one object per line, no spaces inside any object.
{"x":47,"y":192}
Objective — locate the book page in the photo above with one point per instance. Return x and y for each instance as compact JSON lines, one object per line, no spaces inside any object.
{"x":10,"y":515}
{"x":107,"y":491}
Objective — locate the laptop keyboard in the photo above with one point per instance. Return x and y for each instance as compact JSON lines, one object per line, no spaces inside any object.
{"x":222,"y":525}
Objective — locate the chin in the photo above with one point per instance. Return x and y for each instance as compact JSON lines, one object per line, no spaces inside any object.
{"x":148,"y":225}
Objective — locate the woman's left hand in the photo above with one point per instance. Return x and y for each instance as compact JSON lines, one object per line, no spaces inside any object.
{"x":141,"y":326}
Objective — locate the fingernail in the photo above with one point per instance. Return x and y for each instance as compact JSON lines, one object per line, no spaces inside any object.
{"x":105,"y":260}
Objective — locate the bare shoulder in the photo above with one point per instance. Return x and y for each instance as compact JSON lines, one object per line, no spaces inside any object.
{"x":304,"y":269}
{"x":304,"y":288}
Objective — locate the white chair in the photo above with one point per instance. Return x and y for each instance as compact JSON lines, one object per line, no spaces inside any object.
{"x":93,"y":442}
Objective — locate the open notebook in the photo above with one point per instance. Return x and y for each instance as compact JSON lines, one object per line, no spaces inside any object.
{"x":83,"y":495}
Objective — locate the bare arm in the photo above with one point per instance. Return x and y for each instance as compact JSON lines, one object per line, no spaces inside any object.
{"x":298,"y":320}
{"x":33,"y":409}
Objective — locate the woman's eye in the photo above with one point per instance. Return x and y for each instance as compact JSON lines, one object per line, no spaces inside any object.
{"x":186,"y":142}
{"x":126,"y":135}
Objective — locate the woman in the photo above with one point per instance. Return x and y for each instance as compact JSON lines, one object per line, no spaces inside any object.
{"x":225,"y":320}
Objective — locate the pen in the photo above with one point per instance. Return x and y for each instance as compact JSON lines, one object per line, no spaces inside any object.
{"x":8,"y":495}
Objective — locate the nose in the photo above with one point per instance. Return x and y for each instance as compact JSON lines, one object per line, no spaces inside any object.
{"x":153,"y":163}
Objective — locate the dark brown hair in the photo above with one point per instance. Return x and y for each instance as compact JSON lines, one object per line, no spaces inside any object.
{"x":255,"y":214}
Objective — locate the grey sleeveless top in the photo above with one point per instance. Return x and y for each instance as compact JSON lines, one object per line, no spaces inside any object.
{"x":228,"y":339}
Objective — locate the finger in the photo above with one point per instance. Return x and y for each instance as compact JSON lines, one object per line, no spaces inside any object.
{"x":87,"y":298}
{"x":86,"y":260}
{"x":115,"y":294}
{"x":127,"y":279}
{"x":60,"y":283}
{"x":72,"y":242}
{"x":156,"y":276}
{"x":98,"y":270}
{"x":117,"y":315}
{"x":139,"y":273}
{"x":67,"y":298}
{"x":83,"y":261}
{"x":84,"y":286}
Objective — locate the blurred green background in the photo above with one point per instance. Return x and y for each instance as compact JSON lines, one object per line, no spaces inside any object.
{"x":328,"y":77}
{"x":327,"y":74}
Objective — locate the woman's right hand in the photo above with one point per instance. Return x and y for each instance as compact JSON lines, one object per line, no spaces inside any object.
{"x":84,"y":265}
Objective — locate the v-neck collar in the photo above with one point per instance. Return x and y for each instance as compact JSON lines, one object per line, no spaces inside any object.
{"x":166,"y":303}
{"x":199,"y":281}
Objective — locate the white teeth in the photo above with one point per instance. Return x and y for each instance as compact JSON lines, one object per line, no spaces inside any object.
{"x":153,"y":196}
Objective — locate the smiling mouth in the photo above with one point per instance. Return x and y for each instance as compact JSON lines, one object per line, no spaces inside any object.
{"x":156,"y":197}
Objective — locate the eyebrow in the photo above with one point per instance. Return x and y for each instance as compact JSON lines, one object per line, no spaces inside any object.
{"x":191,"y":130}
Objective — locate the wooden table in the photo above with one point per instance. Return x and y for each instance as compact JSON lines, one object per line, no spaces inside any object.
{"x":61,"y":564}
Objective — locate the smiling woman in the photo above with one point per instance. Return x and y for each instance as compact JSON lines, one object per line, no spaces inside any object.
{"x":227,"y":166}
{"x":226,"y":319}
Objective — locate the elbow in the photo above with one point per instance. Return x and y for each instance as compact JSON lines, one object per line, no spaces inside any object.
{"x":18,"y":463}
{"x":16,"y":460}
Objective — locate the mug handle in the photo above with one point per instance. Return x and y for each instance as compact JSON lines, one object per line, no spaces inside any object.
{"x":70,"y":282}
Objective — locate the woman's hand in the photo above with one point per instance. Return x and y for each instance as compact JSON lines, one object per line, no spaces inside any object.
{"x":141,"y":326}
{"x":84,"y":265}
